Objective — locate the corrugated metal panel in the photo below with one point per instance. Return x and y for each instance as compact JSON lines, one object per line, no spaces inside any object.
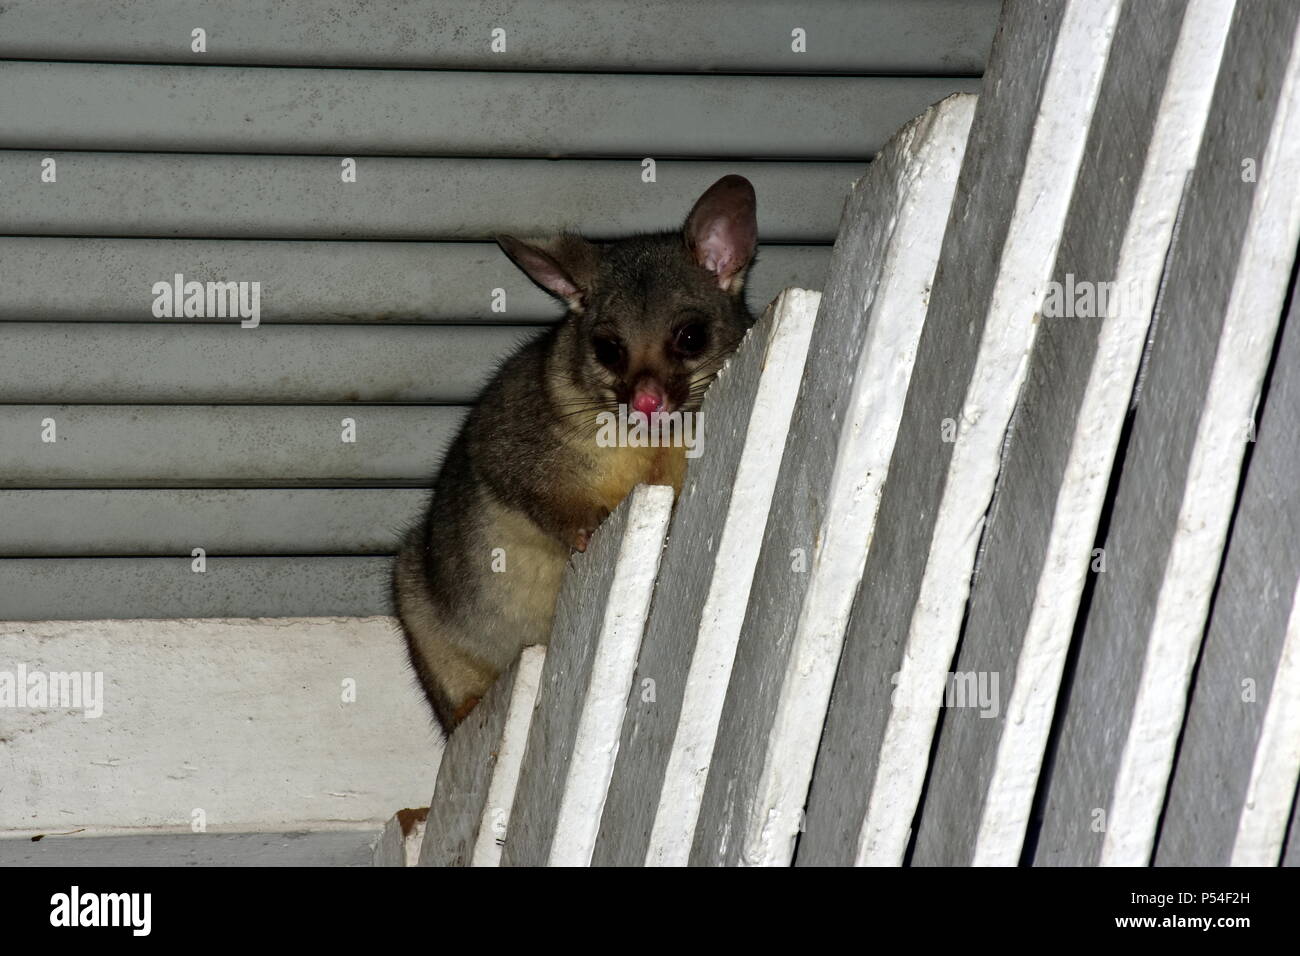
{"x":377,"y":297}
{"x":70,"y":106}
{"x":37,"y":589}
{"x":302,"y":197}
{"x":157,"y":446}
{"x":238,"y":521}
{"x":178,"y":364}
{"x":742,"y":36}
{"x":317,"y":282}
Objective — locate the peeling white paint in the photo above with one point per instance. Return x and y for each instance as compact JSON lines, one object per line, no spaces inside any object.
{"x":893,"y":319}
{"x":730,"y":580}
{"x":1051,"y":164}
{"x":596,"y":737}
{"x":1261,"y":829}
{"x":1184,"y":107}
{"x":1249,"y":327}
{"x":495,"y":824}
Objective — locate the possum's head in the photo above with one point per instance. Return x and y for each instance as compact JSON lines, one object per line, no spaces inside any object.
{"x":652,"y":318}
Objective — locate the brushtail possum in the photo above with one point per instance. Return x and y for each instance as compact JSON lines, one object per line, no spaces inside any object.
{"x":650,"y":321}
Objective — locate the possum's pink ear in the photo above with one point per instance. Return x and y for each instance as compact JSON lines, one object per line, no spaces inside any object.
{"x":564,"y":266}
{"x":722,"y":230}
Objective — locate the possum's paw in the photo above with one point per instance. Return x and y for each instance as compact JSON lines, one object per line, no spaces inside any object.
{"x":583,"y":537}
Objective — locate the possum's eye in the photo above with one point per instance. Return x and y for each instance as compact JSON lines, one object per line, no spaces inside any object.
{"x":690,"y":340}
{"x":609,"y":352}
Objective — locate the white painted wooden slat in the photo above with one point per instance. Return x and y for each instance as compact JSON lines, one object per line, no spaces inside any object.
{"x":77,"y":280}
{"x":70,"y":106}
{"x":222,"y":445}
{"x":831,"y":470}
{"x":155,"y":195}
{"x":1215,"y":325}
{"x":739,"y":36}
{"x":1036,"y":556}
{"x":469,"y":814}
{"x":1021,"y":162}
{"x":1192,"y":566}
{"x":1234,"y":778}
{"x":1271,"y":786}
{"x":509,"y":758}
{"x":599,"y":620}
{"x":701,"y":593}
{"x":267,"y":725}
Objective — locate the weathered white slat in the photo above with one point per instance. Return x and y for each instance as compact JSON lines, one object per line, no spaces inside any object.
{"x":1216,"y":322}
{"x":284,"y":725}
{"x":69,"y":106}
{"x":207,"y":445}
{"x":832,"y":467}
{"x":1234,"y":779}
{"x":122,"y":522}
{"x":469,"y":814}
{"x":701,"y":593}
{"x":303,"y":197}
{"x":76,"y":280}
{"x":1021,"y":163}
{"x":599,"y":620}
{"x":1271,"y":785}
{"x":1057,"y":462}
{"x":62,"y":589}
{"x":509,"y":758}
{"x":844,"y":36}
{"x":292,"y":848}
{"x":399,"y":843}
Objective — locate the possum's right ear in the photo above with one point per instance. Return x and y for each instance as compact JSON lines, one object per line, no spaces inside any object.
{"x":564,"y":266}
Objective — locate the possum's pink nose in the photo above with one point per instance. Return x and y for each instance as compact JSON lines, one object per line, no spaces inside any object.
{"x":648,"y":401}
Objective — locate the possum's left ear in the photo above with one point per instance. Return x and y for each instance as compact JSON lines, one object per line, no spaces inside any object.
{"x":722,"y":230}
{"x":564,"y":266}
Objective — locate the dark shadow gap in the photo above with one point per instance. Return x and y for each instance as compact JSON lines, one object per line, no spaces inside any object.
{"x":336,"y":66}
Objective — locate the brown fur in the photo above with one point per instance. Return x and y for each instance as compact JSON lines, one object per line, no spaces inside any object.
{"x":524,"y":480}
